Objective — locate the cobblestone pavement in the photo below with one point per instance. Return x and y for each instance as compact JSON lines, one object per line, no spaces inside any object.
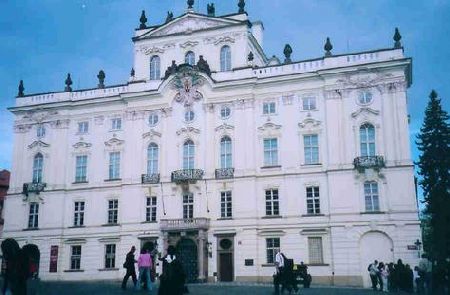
{"x":113,"y":287}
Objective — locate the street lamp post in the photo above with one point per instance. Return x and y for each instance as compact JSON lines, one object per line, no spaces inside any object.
{"x":418,"y":244}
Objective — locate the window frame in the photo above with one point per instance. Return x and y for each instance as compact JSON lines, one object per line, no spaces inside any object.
{"x":367,"y":145}
{"x":315,"y":259}
{"x":225,"y":112}
{"x":365,"y":97}
{"x":269,"y":108}
{"x":78,"y":213}
{"x":313,"y":200}
{"x":114,"y":165}
{"x":110,"y":256}
{"x":83,"y":127}
{"x":40,"y":131}
{"x":189,"y":58}
{"x":226,"y":152}
{"x":155,"y":67}
{"x":153,"y":119}
{"x":226,"y":204}
{"x":189,"y":154}
{"x":152,"y":158}
{"x":116,"y":124}
{"x":188,"y":205}
{"x":272,"y":202}
{"x":33,"y":216}
{"x":38,"y":168}
{"x":225,"y":58}
{"x":273,"y":245}
{"x":310,"y":150}
{"x":189,"y":116}
{"x":113,"y":211}
{"x":307,"y":105}
{"x":81,"y":169}
{"x":373,"y":195}
{"x":270,"y":152}
{"x":151,"y":207}
{"x":75,"y":257}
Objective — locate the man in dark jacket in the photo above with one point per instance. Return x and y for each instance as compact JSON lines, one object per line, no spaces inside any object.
{"x":129,"y":265}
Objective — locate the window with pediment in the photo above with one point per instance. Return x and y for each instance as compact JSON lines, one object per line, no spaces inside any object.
{"x":188,"y":154}
{"x":152,"y":158}
{"x":225,"y":153}
{"x":225,"y":58}
{"x":155,"y":67}
{"x":367,"y":140}
{"x":38,"y":166}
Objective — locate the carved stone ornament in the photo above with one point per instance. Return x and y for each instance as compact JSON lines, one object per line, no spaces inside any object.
{"x":60,"y":124}
{"x":22,"y":128}
{"x":362,"y":80}
{"x":189,"y":24}
{"x":287,"y":99}
{"x":189,"y":44}
{"x":151,"y":134}
{"x":151,"y":50}
{"x":186,"y":81}
{"x":224,"y":39}
{"x":365,"y":110}
{"x":114,"y":142}
{"x":39,"y":144}
{"x":82,"y":145}
{"x":39,"y":116}
{"x":188,"y":130}
{"x":269,"y":126}
{"x":309,"y":123}
{"x":166,"y":112}
{"x":224,"y":127}
{"x":99,"y":120}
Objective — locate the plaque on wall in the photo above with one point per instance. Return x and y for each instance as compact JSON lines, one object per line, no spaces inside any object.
{"x":248,"y":262}
{"x":53,"y":259}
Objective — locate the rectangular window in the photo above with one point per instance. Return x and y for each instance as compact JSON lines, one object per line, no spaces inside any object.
{"x":113,"y":209}
{"x":81,"y":169}
{"x":309,"y":103}
{"x":75,"y":258}
{"x":188,"y":206}
{"x":371,"y":196}
{"x":315,"y":250}
{"x":114,"y":165}
{"x":78,"y":216}
{"x":272,"y":203}
{"x":116,"y":124}
{"x":33,"y":217}
{"x":272,"y":247}
{"x":150,"y":209}
{"x":312,"y":200}
{"x":225,"y":204}
{"x":83,"y":127}
{"x":311,"y":146}
{"x":270,"y":152}
{"x":268,"y":108}
{"x":110,"y":256}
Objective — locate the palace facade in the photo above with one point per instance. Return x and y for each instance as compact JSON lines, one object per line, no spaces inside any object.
{"x":223,"y":152}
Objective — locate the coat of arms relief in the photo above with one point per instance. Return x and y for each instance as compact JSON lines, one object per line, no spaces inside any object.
{"x":186,"y":82}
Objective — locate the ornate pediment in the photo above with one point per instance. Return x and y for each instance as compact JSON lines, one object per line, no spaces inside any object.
{"x":38,"y":115}
{"x":188,"y":130}
{"x":269,"y":126}
{"x":82,"y":145}
{"x":186,"y":82}
{"x":365,"y":111}
{"x":38,"y":143}
{"x":224,"y":127}
{"x":151,"y":50}
{"x":363,"y":80}
{"x":189,"y":44}
{"x":151,"y":134}
{"x":309,"y":123}
{"x":114,"y":142}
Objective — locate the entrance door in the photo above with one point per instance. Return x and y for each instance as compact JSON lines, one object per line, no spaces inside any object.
{"x":226,"y":267}
{"x":187,"y":253}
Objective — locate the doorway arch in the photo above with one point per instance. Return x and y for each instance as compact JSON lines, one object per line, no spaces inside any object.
{"x":187,"y":253}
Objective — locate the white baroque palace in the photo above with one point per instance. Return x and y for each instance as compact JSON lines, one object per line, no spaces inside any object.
{"x":225,"y":153}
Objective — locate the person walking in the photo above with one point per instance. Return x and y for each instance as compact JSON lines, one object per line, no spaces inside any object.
{"x":145,"y":266}
{"x":173,"y":277}
{"x":373,"y":272}
{"x":279,"y":271}
{"x":129,"y":265}
{"x":384,"y":278}
{"x":379,"y":276}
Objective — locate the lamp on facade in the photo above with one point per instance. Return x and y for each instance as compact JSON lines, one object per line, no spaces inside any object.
{"x":418,"y":244}
{"x":209,"y":247}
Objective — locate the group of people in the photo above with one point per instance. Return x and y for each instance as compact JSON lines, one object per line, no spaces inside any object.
{"x":285,"y":275}
{"x":172,"y":279}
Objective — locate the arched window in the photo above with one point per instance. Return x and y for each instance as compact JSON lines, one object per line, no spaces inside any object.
{"x":225,"y":58}
{"x":155,"y":64}
{"x":371,"y":199}
{"x":188,"y":154}
{"x":152,"y":158}
{"x":38,"y":164}
{"x":189,"y":58}
{"x":225,"y":153}
{"x":367,"y":140}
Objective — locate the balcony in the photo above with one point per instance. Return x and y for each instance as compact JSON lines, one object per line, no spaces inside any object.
{"x":224,"y":173}
{"x":187,"y":175}
{"x":33,"y":187}
{"x":368,"y":162}
{"x":184,"y":224}
{"x":150,"y":178}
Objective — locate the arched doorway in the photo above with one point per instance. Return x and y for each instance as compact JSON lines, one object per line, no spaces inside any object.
{"x":34,"y":255}
{"x":187,"y":253}
{"x":374,"y":245}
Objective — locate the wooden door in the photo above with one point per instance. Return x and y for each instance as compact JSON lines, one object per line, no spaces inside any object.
{"x":226,"y":267}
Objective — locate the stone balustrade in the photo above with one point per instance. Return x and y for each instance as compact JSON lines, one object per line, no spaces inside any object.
{"x":184,"y":224}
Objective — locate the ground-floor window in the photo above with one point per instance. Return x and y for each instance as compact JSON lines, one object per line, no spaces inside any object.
{"x":272,"y":247}
{"x":75,"y":257}
{"x":315,"y":250}
{"x":110,"y":256}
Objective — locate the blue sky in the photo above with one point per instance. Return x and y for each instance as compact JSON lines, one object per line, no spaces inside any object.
{"x":41,"y":41}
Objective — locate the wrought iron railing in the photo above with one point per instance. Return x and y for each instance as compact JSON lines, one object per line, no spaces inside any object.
{"x":373,"y":162}
{"x":184,"y":224}
{"x":150,"y":178}
{"x":33,"y":187}
{"x":187,"y":175}
{"x":224,"y":173}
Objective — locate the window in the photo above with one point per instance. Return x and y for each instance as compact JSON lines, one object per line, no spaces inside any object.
{"x":189,"y":116}
{"x":38,"y":164}
{"x":371,"y":196}
{"x":110,"y":256}
{"x":309,"y":103}
{"x":188,"y":206}
{"x":78,"y":216}
{"x":311,"y":148}
{"x":272,"y":203}
{"x":315,"y":250}
{"x":188,"y":154}
{"x":150,"y":209}
{"x":75,"y":258}
{"x":272,"y":247}
{"x":83,"y":127}
{"x":225,"y":153}
{"x":114,"y":165}
{"x":116,"y":124}
{"x":269,"y":108}
{"x":113,"y":208}
{"x":153,"y":119}
{"x":225,"y":204}
{"x":225,"y":112}
{"x":225,"y":58}
{"x":40,"y":131}
{"x":33,"y":217}
{"x":312,"y":200}
{"x":365,"y":97}
{"x":152,"y":158}
{"x":155,"y":63}
{"x":367,"y":140}
{"x":81,"y":168}
{"x":270,"y":152}
{"x":189,"y":58}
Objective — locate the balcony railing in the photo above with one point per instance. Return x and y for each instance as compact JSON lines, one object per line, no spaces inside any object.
{"x":184,"y":224}
{"x":224,"y":173}
{"x":150,"y":178}
{"x":187,"y":175}
{"x":33,"y":187}
{"x":373,"y":162}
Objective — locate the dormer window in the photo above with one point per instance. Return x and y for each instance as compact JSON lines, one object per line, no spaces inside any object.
{"x":189,"y":58}
{"x":365,"y":97}
{"x":155,"y":64}
{"x":40,"y":131}
{"x":225,"y":58}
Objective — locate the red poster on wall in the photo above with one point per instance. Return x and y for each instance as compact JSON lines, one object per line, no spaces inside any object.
{"x":54,"y":259}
